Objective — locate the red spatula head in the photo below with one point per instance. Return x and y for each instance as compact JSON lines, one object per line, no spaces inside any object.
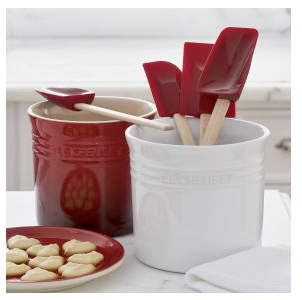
{"x":192,"y":102}
{"x":194,"y":59}
{"x":228,"y":64}
{"x":164,"y":80}
{"x":66,"y":97}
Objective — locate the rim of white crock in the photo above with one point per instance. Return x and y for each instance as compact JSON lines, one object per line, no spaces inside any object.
{"x":153,"y":111}
{"x":263,"y":137}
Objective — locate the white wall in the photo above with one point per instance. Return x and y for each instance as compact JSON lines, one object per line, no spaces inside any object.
{"x":157,"y":22}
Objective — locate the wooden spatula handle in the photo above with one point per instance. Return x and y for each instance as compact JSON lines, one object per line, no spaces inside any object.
{"x":203,"y":123}
{"x":184,"y":129}
{"x":123,"y":117}
{"x":211,"y":134}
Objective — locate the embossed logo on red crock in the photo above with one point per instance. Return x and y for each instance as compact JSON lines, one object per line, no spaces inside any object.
{"x":80,"y":196}
{"x":92,"y":152}
{"x":82,"y":130}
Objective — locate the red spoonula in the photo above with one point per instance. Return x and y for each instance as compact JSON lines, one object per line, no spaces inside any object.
{"x":193,"y":103}
{"x":225,"y":73}
{"x":79,"y":99}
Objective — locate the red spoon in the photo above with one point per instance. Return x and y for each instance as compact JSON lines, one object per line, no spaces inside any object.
{"x":191,"y":101}
{"x":79,"y":99}
{"x":165,"y":81}
{"x":225,"y":74}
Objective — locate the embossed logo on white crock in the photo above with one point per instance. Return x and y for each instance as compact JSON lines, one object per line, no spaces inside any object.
{"x":186,"y":178}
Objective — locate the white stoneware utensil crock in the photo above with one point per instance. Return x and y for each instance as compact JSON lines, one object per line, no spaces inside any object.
{"x":195,"y":204}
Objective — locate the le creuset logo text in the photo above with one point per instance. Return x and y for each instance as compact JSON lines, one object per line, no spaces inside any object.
{"x":191,"y":179}
{"x":88,"y":151}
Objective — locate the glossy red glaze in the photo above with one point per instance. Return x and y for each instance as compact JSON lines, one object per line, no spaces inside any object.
{"x":165,"y":80}
{"x":82,"y":175}
{"x":192,"y":102}
{"x":228,"y":63}
{"x":112,"y":250}
{"x":66,"y":97}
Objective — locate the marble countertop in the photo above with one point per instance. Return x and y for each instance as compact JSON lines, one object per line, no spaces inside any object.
{"x":134,"y":276}
{"x":114,"y":66}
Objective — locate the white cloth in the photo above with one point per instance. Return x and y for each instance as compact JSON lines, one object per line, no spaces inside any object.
{"x":256,"y":270}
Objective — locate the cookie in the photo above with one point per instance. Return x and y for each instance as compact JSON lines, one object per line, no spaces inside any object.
{"x":75,"y":246}
{"x":73,"y":269}
{"x":13,"y":269}
{"x":38,"y":274}
{"x":87,"y":258}
{"x":21,"y":242}
{"x":17,"y":256}
{"x":44,"y":250}
{"x":50,"y":263}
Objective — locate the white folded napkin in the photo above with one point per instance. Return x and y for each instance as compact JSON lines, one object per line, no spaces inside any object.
{"x":256,"y":270}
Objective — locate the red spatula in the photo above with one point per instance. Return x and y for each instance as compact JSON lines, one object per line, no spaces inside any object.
{"x":165,"y":82}
{"x":225,"y":74}
{"x":191,"y":101}
{"x":79,"y":99}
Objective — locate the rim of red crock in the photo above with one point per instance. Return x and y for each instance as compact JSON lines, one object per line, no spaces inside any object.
{"x":261,"y":138}
{"x":151,"y":105}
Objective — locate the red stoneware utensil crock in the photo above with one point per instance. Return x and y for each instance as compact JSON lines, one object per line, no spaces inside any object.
{"x":193,"y":103}
{"x":165,"y":82}
{"x":79,"y":99}
{"x":82,"y":166}
{"x":225,"y":74}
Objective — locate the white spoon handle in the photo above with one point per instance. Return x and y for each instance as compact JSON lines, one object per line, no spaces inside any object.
{"x":123,"y":117}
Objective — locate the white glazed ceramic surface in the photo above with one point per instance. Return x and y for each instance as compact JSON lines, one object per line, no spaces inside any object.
{"x":195,"y":204}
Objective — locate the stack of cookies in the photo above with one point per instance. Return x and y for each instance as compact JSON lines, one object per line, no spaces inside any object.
{"x":29,"y":259}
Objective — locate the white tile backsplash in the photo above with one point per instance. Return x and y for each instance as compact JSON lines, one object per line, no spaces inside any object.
{"x":142,"y":22}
